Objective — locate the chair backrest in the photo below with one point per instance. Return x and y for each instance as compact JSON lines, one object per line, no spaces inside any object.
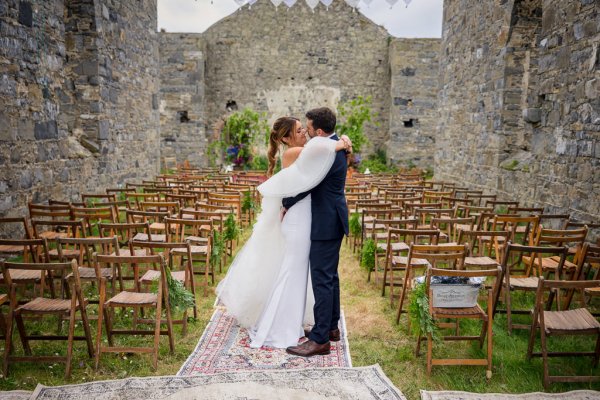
{"x":479,"y":199}
{"x":475,"y":242}
{"x":179,"y":229}
{"x":203,"y":206}
{"x":501,"y":205}
{"x":561,"y":237}
{"x":512,"y":222}
{"x":38,"y":248}
{"x":525,"y":210}
{"x":427,"y":214}
{"x":87,"y":247}
{"x":146,"y":216}
{"x":464,"y":211}
{"x":153,"y":248}
{"x":450,"y":226}
{"x":218,"y":218}
{"x":133,"y":262}
{"x":10,"y":224}
{"x":410,"y":236}
{"x":90,"y":198}
{"x":54,"y":212}
{"x":554,"y":287}
{"x":171,"y":207}
{"x":580,"y":224}
{"x":184,"y":200}
{"x":72,"y":228}
{"x":513,"y":256}
{"x":124,"y":231}
{"x":453,"y":256}
{"x":92,"y":217}
{"x":53,"y":270}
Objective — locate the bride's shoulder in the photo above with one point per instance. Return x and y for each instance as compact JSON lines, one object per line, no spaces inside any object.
{"x":290,"y":155}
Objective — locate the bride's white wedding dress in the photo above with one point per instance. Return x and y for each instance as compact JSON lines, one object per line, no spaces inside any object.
{"x":267,"y":288}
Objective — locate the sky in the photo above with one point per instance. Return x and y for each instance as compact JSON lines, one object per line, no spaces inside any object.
{"x":421,"y":18}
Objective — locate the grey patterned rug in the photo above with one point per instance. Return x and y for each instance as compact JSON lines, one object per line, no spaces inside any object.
{"x":315,"y":384}
{"x":15,"y":395}
{"x":456,"y":395}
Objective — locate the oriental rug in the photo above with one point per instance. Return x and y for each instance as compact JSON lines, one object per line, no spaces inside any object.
{"x":225,"y":347}
{"x":456,"y":395}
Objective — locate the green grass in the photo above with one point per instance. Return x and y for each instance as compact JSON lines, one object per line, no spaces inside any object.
{"x":373,"y":335}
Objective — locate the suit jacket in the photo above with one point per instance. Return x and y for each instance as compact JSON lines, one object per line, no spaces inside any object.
{"x":328,"y":204}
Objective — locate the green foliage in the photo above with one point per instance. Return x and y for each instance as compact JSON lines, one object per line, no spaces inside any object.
{"x":231,"y":229}
{"x":428,"y":173}
{"x":368,"y":255}
{"x":248,"y":202}
{"x":353,"y":115}
{"x":218,"y":245}
{"x":421,"y":321}
{"x":377,"y":163}
{"x":355,"y":227}
{"x":180,"y":298}
{"x":259,"y":163}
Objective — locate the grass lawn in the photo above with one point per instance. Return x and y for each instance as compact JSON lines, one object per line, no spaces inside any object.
{"x":374,"y":339}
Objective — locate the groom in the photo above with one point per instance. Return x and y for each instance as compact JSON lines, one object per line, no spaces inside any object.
{"x":329,"y":224}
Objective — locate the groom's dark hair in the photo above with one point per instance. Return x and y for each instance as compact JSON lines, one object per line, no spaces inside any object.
{"x":322,"y":118}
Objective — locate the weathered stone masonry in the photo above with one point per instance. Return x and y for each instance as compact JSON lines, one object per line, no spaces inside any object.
{"x":78,"y":98}
{"x":519,"y":104}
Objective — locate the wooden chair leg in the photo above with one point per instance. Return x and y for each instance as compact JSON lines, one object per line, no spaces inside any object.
{"x":544,"y":357}
{"x":156,"y":334}
{"x":402,"y":296}
{"x":22,"y":333}
{"x":99,"y":335}
{"x":429,"y":353}
{"x":597,"y":356}
{"x":70,"y":339}
{"x":8,"y":342}
{"x":490,"y":334}
{"x":508,"y":311}
{"x":87,"y":331}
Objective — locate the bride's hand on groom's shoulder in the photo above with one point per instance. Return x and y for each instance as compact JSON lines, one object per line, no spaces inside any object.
{"x":348,"y":142}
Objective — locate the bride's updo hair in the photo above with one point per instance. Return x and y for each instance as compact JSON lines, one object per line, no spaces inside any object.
{"x":283,"y":127}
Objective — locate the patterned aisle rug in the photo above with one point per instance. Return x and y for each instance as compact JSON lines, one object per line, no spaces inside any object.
{"x":455,"y":395}
{"x":315,"y":384}
{"x":15,"y":395}
{"x":225,"y":347}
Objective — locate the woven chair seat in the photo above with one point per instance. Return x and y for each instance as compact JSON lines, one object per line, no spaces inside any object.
{"x":194,"y":250}
{"x":23,"y":275}
{"x":51,"y":235}
{"x":157,"y":226}
{"x":143,"y":237}
{"x":485,"y":238}
{"x":524,"y":283}
{"x":68,"y":253}
{"x":549,"y":263}
{"x":480,"y":261}
{"x":127,"y":252}
{"x":90,"y":273}
{"x":570,"y":320}
{"x":5,"y":248}
{"x":196,"y":239}
{"x":402,"y":261}
{"x":133,"y":298}
{"x":442,"y":312}
{"x":44,"y":305}
{"x":397,"y":246}
{"x":153,"y":275}
{"x":463,"y":227}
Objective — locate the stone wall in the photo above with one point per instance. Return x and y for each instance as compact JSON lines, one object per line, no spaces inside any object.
{"x":182,"y":104}
{"x":413,"y":101}
{"x":78,"y":98}
{"x":519,"y":104}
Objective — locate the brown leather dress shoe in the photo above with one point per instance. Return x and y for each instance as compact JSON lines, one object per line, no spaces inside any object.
{"x":334,"y":335}
{"x":309,"y":349}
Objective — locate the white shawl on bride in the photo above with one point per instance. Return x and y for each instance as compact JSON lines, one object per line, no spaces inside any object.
{"x":252,"y":274}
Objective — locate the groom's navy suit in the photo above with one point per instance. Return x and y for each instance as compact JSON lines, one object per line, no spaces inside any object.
{"x":329,"y":224}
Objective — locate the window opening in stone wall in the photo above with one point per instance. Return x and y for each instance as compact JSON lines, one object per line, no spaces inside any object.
{"x":183,"y":116}
{"x":410,"y":123}
{"x":231,"y":105}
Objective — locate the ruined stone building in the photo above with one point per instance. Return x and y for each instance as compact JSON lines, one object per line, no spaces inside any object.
{"x":91,"y":96}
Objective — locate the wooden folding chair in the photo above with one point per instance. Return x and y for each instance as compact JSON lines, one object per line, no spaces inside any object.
{"x":184,"y":274}
{"x":571,"y":322}
{"x":136,"y":300}
{"x":42,"y":306}
{"x":476,"y":312}
{"x":513,"y":256}
{"x":155,"y":218}
{"x":23,"y":231}
{"x":420,"y":257}
{"x":477,"y":256}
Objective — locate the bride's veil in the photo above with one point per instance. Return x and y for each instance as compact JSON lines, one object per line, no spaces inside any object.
{"x":249,"y":280}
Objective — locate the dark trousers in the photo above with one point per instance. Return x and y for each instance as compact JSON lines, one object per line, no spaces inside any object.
{"x":324,"y":259}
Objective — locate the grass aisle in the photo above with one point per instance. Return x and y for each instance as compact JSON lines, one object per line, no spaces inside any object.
{"x":375,"y":338}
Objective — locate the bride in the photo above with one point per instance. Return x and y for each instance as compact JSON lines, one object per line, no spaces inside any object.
{"x":267,"y":285}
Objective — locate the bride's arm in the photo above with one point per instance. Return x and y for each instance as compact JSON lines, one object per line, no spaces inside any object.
{"x":292,"y":153}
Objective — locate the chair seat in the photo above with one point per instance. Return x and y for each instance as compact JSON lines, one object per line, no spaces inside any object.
{"x":194,"y":250}
{"x":593,"y":291}
{"x":44,"y":305}
{"x":402,"y":261}
{"x":133,"y":298}
{"x":68,"y":253}
{"x":475,"y":311}
{"x":153,"y":275}
{"x":127,"y":252}
{"x":3,"y":298}
{"x":524,"y":283}
{"x":463,"y":227}
{"x":23,"y":275}
{"x":196,"y":239}
{"x":158,"y":226}
{"x":570,"y":320}
{"x":396,"y":247}
{"x":549,"y":263}
{"x":143,"y":237}
{"x":90,"y":273}
{"x":481,"y":261}
{"x":486,"y":238}
{"x":51,"y":235}
{"x":5,"y":248}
